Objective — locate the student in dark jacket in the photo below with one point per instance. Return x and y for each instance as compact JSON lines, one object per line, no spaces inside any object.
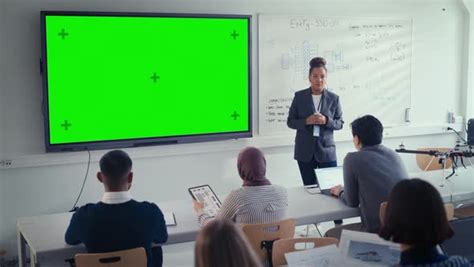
{"x":415,"y":217}
{"x":118,"y":222}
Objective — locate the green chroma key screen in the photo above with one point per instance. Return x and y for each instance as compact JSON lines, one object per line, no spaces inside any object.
{"x":136,"y":77}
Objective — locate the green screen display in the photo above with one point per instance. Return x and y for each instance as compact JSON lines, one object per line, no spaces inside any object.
{"x":112,"y":78}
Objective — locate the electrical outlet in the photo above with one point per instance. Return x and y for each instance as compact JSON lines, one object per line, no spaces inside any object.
{"x":5,"y":163}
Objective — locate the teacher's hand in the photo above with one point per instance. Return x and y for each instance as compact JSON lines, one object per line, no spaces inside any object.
{"x":320,"y":119}
{"x":312,"y":119}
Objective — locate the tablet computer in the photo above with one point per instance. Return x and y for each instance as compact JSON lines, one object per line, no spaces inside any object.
{"x":206,"y":195}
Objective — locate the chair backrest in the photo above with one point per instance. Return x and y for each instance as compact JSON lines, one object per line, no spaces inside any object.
{"x":383,"y":207}
{"x":256,"y":233}
{"x":465,"y":211}
{"x":131,"y":257}
{"x":282,"y":246}
{"x":429,"y":163}
{"x":449,"y":208}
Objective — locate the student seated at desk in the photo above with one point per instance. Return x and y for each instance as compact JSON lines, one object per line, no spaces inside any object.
{"x":222,"y":244}
{"x":415,"y":217}
{"x":369,"y":175}
{"x":257,"y":201}
{"x":118,"y":222}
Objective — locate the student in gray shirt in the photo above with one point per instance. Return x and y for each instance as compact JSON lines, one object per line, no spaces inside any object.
{"x":257,"y":201}
{"x":369,"y":175}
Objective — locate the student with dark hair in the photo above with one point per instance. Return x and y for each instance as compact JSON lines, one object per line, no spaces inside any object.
{"x":222,"y":244}
{"x":118,"y":222}
{"x":415,"y":217}
{"x":369,"y":175}
{"x":257,"y":201}
{"x":315,"y":114}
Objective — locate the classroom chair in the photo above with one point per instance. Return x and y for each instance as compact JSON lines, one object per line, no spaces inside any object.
{"x":131,"y":257}
{"x":464,"y":212}
{"x":429,"y":163}
{"x":262,"y":236}
{"x":449,"y":207}
{"x":282,"y":246}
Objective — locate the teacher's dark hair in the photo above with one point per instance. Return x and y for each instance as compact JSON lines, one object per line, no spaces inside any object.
{"x":369,"y":130}
{"x":317,"y":62}
{"x":115,"y":165}
{"x":415,"y":215}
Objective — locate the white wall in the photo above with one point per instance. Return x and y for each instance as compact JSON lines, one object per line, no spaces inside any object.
{"x":2,"y":113}
{"x":470,"y":59}
{"x":52,"y":185}
{"x":2,"y":76}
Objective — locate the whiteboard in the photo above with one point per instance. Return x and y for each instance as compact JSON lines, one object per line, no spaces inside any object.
{"x":368,"y":62}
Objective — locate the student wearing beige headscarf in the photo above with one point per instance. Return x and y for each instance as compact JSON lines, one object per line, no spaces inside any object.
{"x":257,"y":201}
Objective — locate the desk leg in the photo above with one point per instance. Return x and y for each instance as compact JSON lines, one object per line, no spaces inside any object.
{"x":21,"y":250}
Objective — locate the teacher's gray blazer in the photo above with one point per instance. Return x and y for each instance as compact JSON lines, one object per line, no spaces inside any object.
{"x":323,"y":147}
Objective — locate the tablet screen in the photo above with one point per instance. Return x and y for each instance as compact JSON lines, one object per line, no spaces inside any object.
{"x":204,"y":194}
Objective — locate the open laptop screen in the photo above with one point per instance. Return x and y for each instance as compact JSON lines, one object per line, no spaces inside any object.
{"x":329,"y":177}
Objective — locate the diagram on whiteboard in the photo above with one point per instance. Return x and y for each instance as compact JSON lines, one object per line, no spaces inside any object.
{"x":368,"y":63}
{"x":295,"y":61}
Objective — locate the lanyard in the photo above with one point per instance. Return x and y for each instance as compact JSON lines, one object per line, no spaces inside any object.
{"x":318,"y":109}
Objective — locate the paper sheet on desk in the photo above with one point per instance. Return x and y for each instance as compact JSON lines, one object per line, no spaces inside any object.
{"x":322,"y":256}
{"x":170,"y":220}
{"x":366,"y":249}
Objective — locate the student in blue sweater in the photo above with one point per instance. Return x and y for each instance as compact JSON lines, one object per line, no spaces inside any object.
{"x":118,"y":222}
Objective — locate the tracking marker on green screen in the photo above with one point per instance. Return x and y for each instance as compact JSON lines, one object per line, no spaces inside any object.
{"x":235,"y":115}
{"x":155,"y":77}
{"x":234,"y":35}
{"x":66,"y":125}
{"x":63,"y":34}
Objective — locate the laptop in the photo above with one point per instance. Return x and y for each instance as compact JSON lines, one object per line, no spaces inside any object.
{"x":461,"y":244}
{"x":328,"y":178}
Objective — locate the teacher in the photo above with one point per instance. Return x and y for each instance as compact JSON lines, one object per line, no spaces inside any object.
{"x":315,"y":113}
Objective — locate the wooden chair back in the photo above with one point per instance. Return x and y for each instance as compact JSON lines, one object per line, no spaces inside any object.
{"x":429,"y":163}
{"x":131,"y":257}
{"x":267,"y":232}
{"x":464,"y":212}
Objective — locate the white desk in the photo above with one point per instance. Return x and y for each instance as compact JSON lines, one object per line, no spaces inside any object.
{"x":44,"y":235}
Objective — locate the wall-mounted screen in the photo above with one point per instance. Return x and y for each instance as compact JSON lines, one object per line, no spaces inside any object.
{"x":132,"y":79}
